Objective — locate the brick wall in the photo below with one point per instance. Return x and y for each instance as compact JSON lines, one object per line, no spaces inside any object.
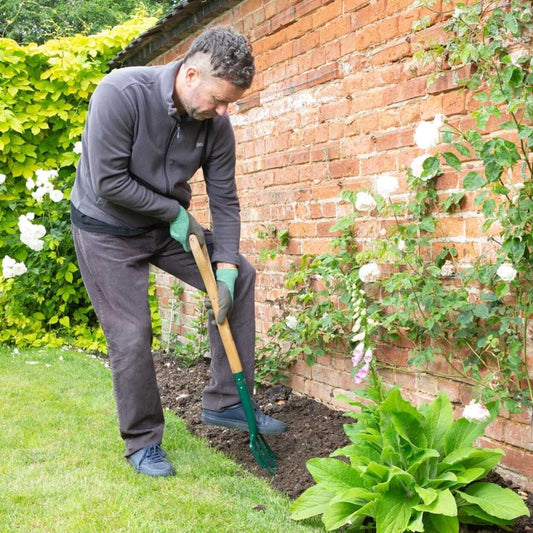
{"x":334,"y":105}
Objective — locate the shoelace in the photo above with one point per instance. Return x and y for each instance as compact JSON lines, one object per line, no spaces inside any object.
{"x":155,"y":454}
{"x":260,"y":417}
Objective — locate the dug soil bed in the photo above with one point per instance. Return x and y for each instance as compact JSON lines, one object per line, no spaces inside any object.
{"x":314,"y":430}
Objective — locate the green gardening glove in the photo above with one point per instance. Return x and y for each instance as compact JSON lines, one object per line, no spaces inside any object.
{"x":226,"y":278}
{"x":185,"y":225}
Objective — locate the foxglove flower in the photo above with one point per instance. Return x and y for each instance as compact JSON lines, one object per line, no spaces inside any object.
{"x":506,"y":272}
{"x":369,"y":273}
{"x":357,"y":354}
{"x":476,"y":412}
{"x":362,"y":374}
{"x":364,"y":202}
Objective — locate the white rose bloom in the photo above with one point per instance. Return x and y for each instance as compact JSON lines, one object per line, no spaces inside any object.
{"x":10,"y":268}
{"x":369,"y":273}
{"x":448,"y":269}
{"x":44,"y":176}
{"x":56,"y":195}
{"x":77,"y":148}
{"x":30,"y":184}
{"x":31,"y":234}
{"x":364,"y":202}
{"x":476,"y":412}
{"x":401,"y":245}
{"x":387,"y":185}
{"x":2,"y":178}
{"x":506,"y":272}
{"x":417,"y":166}
{"x":427,"y":134}
{"x":291,"y":322}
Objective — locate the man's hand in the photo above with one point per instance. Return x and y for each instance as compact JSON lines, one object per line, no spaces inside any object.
{"x":185,"y":225}
{"x":226,"y":278}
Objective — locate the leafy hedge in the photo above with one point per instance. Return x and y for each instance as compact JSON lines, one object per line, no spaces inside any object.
{"x":44,"y":94}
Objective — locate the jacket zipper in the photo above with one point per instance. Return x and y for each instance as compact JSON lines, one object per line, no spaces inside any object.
{"x":176,"y":131}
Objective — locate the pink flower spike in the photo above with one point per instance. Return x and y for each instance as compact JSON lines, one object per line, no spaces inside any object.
{"x":358,"y":354}
{"x":362,"y":374}
{"x":368,"y":356}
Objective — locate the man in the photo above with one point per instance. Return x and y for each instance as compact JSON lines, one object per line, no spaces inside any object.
{"x":147,"y":131}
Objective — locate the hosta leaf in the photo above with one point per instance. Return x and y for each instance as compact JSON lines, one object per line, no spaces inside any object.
{"x":333,"y":474}
{"x":435,"y":523}
{"x":338,"y":515}
{"x":495,"y":500}
{"x":438,"y":420}
{"x":393,"y":511}
{"x":444,"y":504}
{"x":315,"y":500}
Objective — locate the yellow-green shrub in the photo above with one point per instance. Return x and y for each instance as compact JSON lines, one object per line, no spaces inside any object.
{"x":44,"y":93}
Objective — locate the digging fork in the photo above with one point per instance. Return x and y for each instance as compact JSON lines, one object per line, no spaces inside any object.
{"x":259,"y":447}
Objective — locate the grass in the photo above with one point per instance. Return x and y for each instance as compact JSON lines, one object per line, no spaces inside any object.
{"x":62,"y":470}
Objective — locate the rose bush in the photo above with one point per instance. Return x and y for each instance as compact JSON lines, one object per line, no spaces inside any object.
{"x":476,"y":314}
{"x":44,"y":93}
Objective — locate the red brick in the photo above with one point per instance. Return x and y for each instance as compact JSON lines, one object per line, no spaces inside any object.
{"x":371,"y":13}
{"x":406,"y":91}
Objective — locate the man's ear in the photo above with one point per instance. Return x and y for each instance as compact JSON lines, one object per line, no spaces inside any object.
{"x":192,"y":73}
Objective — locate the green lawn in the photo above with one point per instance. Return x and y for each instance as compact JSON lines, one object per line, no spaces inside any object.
{"x":62,"y":470}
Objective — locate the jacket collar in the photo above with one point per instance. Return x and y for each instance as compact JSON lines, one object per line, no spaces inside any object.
{"x":167,"y":81}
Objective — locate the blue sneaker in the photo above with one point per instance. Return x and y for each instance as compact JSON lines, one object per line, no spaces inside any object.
{"x":151,"y":461}
{"x":234,"y":417}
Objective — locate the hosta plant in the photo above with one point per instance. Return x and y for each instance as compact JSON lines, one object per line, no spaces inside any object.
{"x":408,"y":469}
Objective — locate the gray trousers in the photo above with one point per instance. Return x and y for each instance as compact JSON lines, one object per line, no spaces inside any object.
{"x":115,"y":271}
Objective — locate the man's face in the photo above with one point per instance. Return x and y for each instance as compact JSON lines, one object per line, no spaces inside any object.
{"x":205,"y":96}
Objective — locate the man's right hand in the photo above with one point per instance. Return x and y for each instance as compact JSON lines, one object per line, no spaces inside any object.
{"x":185,"y":225}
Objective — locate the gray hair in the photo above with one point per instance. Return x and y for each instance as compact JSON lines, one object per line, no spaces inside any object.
{"x":230,"y":55}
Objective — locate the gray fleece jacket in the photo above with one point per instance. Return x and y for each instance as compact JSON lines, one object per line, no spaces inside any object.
{"x":138,"y":155}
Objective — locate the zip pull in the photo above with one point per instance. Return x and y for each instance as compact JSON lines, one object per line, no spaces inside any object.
{"x":178,"y":132}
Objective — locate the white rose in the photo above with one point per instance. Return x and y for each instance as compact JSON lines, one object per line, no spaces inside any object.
{"x":448,"y":269}
{"x":387,"y":185}
{"x":364,"y":202}
{"x":2,"y":178}
{"x":427,"y":134}
{"x":417,"y":166}
{"x":10,"y":268}
{"x":44,"y":176}
{"x":30,"y":184}
{"x":476,"y":412}
{"x":77,"y":148}
{"x":291,"y":322}
{"x":506,"y":272}
{"x":56,"y":195}
{"x":369,"y":273}
{"x":401,"y":245}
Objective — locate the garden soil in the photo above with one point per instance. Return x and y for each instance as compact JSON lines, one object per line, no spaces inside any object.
{"x":314,"y":430}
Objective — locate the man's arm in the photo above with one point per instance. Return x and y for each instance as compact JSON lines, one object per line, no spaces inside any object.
{"x":111,"y":124}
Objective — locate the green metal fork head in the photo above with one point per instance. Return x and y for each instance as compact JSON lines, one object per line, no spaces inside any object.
{"x":263,"y":453}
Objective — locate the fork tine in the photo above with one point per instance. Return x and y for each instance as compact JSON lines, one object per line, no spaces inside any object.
{"x":263,"y":454}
